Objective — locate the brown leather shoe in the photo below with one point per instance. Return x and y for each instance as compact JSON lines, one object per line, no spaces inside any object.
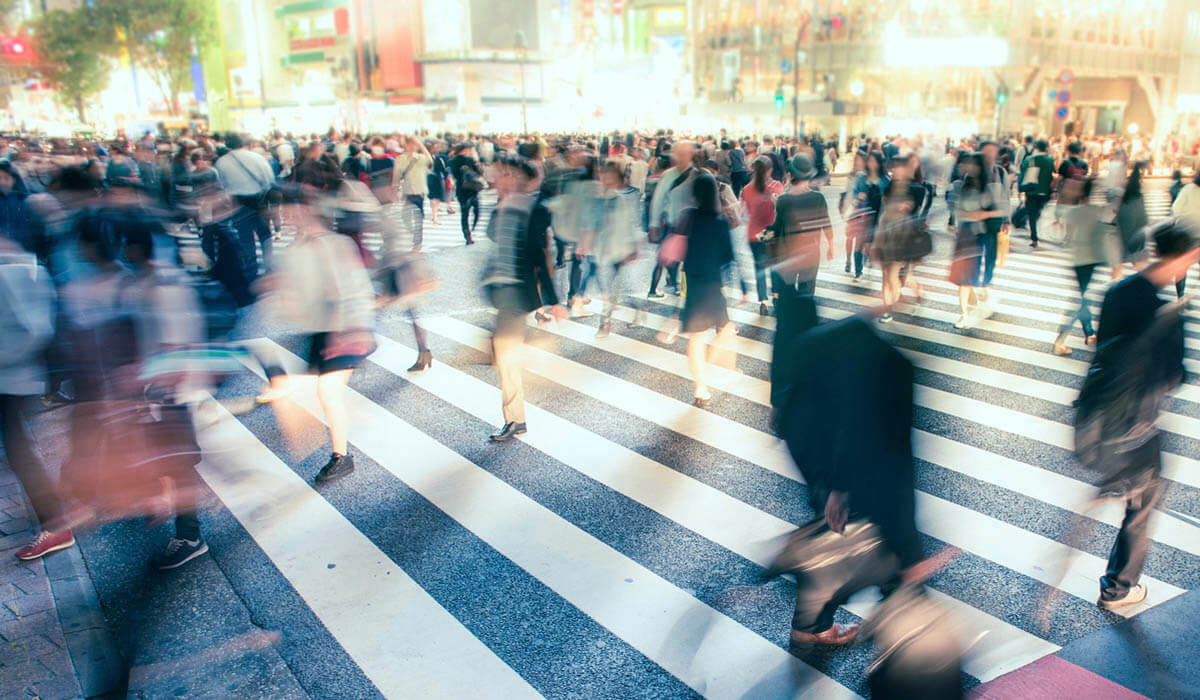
{"x":834,"y":636}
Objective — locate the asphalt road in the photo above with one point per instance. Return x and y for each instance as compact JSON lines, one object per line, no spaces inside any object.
{"x":617,"y":550}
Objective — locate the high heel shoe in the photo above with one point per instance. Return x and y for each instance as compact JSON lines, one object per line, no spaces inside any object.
{"x":424,"y":361}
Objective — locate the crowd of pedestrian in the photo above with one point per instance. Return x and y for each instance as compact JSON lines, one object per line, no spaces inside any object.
{"x":102,"y":310}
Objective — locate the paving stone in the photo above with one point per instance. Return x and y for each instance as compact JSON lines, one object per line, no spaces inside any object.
{"x":9,"y":591}
{"x":15,"y":678}
{"x":99,"y":665}
{"x":30,"y":604}
{"x":15,"y":525}
{"x":59,"y":687}
{"x":33,"y":585}
{"x":40,"y":623}
{"x":36,"y":645}
{"x":12,"y":542}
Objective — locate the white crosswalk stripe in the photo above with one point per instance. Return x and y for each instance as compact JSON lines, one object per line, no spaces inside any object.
{"x":992,"y":439}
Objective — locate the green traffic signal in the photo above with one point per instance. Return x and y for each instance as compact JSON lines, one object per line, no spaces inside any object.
{"x":779,"y":99}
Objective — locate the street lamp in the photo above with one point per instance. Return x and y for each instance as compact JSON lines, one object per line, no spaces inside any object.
{"x":522,"y":46}
{"x":856,"y":88}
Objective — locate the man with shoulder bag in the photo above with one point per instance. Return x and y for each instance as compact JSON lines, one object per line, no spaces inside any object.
{"x":1037,"y":171}
{"x":250,"y":181}
{"x":410,"y":174}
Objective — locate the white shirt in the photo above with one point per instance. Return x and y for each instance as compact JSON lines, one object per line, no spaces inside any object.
{"x":244,"y":173}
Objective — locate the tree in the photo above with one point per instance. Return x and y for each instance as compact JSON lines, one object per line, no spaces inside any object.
{"x":161,"y":36}
{"x":71,"y":55}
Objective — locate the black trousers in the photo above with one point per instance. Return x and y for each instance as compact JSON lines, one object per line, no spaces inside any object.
{"x":738,"y":180}
{"x":25,"y":463}
{"x":1034,"y":203}
{"x":795,"y":313}
{"x":1128,"y":555}
{"x":466,"y":203}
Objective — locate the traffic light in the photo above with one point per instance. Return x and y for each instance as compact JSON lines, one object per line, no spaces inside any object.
{"x":16,"y":48}
{"x":1002,"y":95}
{"x":779,"y":97}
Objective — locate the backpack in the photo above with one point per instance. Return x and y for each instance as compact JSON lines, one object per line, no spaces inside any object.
{"x":1122,"y":393}
{"x":1070,"y":190}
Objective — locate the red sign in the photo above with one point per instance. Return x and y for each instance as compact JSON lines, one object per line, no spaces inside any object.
{"x":313,"y":43}
{"x":1066,"y":76}
{"x":587,"y":8}
{"x":618,"y":6}
{"x":341,"y":21}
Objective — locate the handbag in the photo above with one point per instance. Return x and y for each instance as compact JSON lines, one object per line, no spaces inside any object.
{"x":1020,"y":217}
{"x":1003,"y":244}
{"x":918,"y":242}
{"x":918,"y":647}
{"x":471,"y":181}
{"x":673,"y":249}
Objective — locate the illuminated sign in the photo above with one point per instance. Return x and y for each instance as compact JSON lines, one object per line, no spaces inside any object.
{"x":669,"y":17}
{"x":984,"y":51}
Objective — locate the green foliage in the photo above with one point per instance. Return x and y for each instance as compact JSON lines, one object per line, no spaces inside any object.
{"x":160,"y":36}
{"x":70,"y":55}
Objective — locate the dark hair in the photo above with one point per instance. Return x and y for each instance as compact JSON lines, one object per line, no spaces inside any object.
{"x":1133,"y":188}
{"x":1041,"y":145}
{"x":710,"y":164}
{"x":704,"y":192}
{"x":139,"y":235}
{"x":1177,"y":176}
{"x":1029,"y":139}
{"x":1173,"y":240}
{"x":523,"y":166}
{"x":75,"y":179}
{"x":662,"y":162}
{"x":985,"y":144}
{"x":977,"y":181}
{"x":529,"y":149}
{"x":233,"y":141}
{"x":759,"y":167}
{"x":96,"y":232}
{"x":1075,"y":148}
{"x":878,"y":158}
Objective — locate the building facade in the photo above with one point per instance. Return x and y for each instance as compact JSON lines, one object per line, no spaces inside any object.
{"x":977,"y":66}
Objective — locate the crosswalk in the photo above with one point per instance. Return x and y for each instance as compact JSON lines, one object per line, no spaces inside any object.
{"x":617,"y":549}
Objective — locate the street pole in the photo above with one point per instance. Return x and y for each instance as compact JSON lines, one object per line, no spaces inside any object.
{"x":796,"y":87}
{"x":521,"y":47}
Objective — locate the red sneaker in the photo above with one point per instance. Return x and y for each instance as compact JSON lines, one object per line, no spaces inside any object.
{"x":46,"y":543}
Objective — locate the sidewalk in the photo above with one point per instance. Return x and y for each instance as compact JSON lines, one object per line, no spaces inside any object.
{"x":55,"y":641}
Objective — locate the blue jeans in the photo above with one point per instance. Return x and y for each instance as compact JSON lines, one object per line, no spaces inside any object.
{"x":1083,"y":314}
{"x":987,"y":244}
{"x":759,"y":250}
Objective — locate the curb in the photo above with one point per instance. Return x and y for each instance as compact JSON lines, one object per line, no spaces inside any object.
{"x":90,"y":645}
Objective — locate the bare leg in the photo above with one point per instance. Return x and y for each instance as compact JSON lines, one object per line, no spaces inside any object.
{"x":331,"y":388}
{"x":696,"y":362}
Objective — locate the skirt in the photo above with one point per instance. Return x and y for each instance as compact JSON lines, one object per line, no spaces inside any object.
{"x":318,"y":363}
{"x":966,"y":266}
{"x":437,"y":187}
{"x":703,"y":308}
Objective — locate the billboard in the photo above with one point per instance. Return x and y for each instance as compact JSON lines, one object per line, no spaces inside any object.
{"x":494,"y":25}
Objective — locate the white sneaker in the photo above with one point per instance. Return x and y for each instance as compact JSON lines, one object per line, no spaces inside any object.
{"x":272,"y":394}
{"x":963,"y":322}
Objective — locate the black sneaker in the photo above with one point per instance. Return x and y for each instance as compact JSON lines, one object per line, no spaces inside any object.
{"x":509,"y":432}
{"x":337,"y":467}
{"x":1133,"y":596}
{"x":178,"y":552}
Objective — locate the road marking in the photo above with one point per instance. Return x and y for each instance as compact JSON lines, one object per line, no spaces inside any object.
{"x":403,"y":640}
